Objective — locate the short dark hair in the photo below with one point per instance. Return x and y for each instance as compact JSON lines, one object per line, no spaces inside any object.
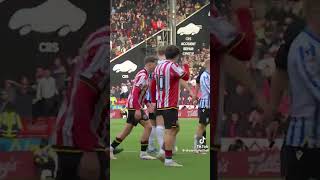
{"x":172,"y":51}
{"x":150,"y":59}
{"x":161,"y":50}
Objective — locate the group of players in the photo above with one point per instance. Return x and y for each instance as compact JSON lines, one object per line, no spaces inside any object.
{"x":157,"y":87}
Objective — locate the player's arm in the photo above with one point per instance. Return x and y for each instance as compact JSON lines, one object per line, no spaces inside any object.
{"x":153,"y":86}
{"x":236,"y":39}
{"x":136,"y":92}
{"x":279,"y":84}
{"x":205,"y":81}
{"x":181,"y":73}
{"x":184,"y":84}
{"x":308,"y":68}
{"x":243,"y":46}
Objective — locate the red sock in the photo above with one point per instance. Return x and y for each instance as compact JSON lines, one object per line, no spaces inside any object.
{"x":168,"y":154}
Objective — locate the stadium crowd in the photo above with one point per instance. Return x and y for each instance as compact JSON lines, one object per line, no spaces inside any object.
{"x":29,"y":99}
{"x":131,"y":26}
{"x":242,"y":118}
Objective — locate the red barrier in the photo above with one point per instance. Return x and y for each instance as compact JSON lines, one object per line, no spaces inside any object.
{"x":39,"y":128}
{"x":185,"y":113}
{"x":249,"y":164}
{"x":17,"y":166}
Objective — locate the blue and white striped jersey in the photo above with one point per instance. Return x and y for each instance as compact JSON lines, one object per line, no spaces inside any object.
{"x":204,"y":101}
{"x":148,"y":93}
{"x":304,"y":84}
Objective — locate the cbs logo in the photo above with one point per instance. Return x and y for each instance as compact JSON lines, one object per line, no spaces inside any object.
{"x":125,"y":77}
{"x":49,"y":47}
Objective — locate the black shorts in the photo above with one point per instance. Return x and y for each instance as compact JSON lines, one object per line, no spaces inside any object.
{"x":68,"y":164}
{"x":300,"y":163}
{"x":204,"y":116}
{"x":132,"y":120}
{"x":170,"y":117}
{"x":152,"y":116}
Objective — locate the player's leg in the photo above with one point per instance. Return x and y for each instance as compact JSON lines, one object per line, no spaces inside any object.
{"x":144,"y":140}
{"x":152,"y":147}
{"x":160,"y":132}
{"x":201,"y":128}
{"x":314,"y":157}
{"x":131,"y":122}
{"x":104,"y":165}
{"x":177,"y":130}
{"x":68,"y":164}
{"x":296,"y":164}
{"x":204,"y":134}
{"x":171,"y":124}
{"x":175,"y":147}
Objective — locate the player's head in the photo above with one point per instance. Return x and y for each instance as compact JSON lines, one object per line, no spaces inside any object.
{"x":311,"y":11}
{"x":150,"y":63}
{"x":173,"y":53}
{"x":161,"y":52}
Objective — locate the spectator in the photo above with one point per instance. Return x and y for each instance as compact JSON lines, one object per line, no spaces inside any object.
{"x":134,"y":21}
{"x":124,"y":91}
{"x":10,"y":91}
{"x":47,"y":95}
{"x":117,"y":92}
{"x":4,"y":100}
{"x":24,"y":98}
{"x":256,"y":129}
{"x":233,"y":125}
{"x":10,"y":122}
{"x":59,"y":73}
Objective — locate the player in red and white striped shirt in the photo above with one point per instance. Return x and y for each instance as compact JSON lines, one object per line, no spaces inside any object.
{"x":81,"y":131}
{"x":135,"y":104}
{"x":167,"y":79}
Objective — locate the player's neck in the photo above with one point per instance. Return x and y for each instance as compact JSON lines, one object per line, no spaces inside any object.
{"x":147,"y":69}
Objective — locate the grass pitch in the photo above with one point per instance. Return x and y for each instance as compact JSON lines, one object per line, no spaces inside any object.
{"x":129,"y":166}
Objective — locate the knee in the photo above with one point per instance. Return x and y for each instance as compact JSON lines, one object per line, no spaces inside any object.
{"x":148,"y":127}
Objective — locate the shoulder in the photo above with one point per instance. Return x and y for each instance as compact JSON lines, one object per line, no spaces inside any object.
{"x":205,"y":75}
{"x":299,"y":42}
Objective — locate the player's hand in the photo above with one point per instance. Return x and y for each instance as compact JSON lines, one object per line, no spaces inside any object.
{"x":89,"y":168}
{"x":150,"y":108}
{"x":184,"y":61}
{"x":137,"y":115}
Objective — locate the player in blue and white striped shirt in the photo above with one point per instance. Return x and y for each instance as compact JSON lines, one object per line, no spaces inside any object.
{"x":204,"y":106}
{"x":303,"y":135}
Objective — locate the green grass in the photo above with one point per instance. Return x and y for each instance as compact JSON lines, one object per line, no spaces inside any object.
{"x":128,"y":166}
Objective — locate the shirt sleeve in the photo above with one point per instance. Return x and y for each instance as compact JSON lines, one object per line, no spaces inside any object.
{"x":141,"y":81}
{"x":308,"y":66}
{"x":181,"y":73}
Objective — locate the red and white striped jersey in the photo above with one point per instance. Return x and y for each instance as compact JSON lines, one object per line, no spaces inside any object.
{"x":167,"y":76}
{"x":137,"y":96}
{"x":91,"y":70}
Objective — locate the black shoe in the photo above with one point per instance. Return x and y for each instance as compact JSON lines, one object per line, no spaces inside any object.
{"x":117,"y":150}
